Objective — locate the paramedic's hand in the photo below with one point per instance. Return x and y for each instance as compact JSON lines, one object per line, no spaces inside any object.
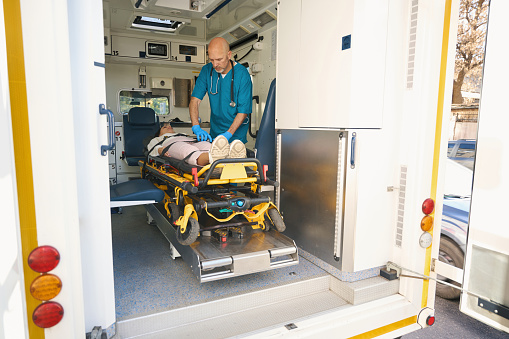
{"x":201,"y":135}
{"x":227,"y":135}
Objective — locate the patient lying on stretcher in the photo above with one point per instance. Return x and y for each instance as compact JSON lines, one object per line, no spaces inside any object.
{"x":190,"y":150}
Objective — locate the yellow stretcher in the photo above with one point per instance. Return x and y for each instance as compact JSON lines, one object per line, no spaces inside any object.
{"x":221,"y":198}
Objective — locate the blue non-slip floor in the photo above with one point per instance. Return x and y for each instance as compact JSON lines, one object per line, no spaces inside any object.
{"x":148,"y":281}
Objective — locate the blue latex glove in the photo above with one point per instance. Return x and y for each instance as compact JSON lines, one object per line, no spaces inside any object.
{"x":201,"y":135}
{"x":227,"y":135}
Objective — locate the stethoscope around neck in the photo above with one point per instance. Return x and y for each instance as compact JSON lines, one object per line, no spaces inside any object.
{"x":232,"y":103}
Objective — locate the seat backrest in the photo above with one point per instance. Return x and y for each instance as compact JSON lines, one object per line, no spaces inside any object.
{"x":265,"y":145}
{"x":138,"y":124}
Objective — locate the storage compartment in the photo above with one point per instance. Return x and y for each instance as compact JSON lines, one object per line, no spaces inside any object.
{"x":330,"y":199}
{"x":184,"y":52}
{"x":182,"y":93}
{"x":158,"y":50}
{"x":130,"y":47}
{"x":345,"y":90}
{"x":161,"y":83}
{"x":122,"y":46}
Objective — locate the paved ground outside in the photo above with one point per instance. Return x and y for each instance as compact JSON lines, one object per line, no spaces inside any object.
{"x":451,"y":323}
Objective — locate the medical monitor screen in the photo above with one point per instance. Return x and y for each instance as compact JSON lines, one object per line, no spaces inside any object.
{"x":188,"y":50}
{"x":157,"y":49}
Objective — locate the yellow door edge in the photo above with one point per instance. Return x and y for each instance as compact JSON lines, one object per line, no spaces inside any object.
{"x":22,"y":150}
{"x":438,"y":136}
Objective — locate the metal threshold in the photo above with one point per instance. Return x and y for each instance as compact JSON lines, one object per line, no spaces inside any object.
{"x":312,"y":305}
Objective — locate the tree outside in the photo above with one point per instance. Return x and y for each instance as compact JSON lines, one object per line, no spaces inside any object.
{"x":470,"y":44}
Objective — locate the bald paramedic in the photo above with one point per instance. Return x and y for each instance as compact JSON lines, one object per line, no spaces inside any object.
{"x":230,"y":93}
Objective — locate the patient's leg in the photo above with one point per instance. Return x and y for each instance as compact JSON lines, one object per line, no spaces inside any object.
{"x":203,"y":145}
{"x":203,"y":159}
{"x":181,"y":149}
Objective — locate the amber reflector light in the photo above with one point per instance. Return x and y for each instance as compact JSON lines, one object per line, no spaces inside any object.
{"x":427,"y":223}
{"x":46,"y":287}
{"x":48,"y":314}
{"x":43,"y":259}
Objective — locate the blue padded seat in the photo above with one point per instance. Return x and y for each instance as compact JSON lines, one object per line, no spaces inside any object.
{"x":138,"y":124}
{"x":265,"y":145}
{"x":135,"y":190}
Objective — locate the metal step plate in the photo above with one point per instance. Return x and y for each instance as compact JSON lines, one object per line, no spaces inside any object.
{"x":210,"y":259}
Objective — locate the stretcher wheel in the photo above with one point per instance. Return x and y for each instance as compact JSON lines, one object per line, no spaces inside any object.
{"x":277,"y":220}
{"x":181,"y":200}
{"x":267,"y":225}
{"x":191,"y":233}
{"x":174,"y":212}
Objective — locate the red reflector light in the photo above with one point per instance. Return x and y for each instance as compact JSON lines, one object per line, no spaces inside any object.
{"x":430,"y":321}
{"x":428,"y":206}
{"x":43,"y":259}
{"x":48,"y":314}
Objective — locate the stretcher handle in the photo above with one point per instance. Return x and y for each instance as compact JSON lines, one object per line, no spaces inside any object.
{"x":227,"y":203}
{"x":227,"y":161}
{"x":265,"y":180}
{"x":111,"y":130}
{"x":186,"y":186}
{"x":271,"y":182}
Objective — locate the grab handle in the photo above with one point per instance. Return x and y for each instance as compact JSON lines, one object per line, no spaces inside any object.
{"x":352,"y":150}
{"x":111,"y":130}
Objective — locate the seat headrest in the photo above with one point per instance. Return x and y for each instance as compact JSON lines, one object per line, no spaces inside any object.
{"x":142,"y":116}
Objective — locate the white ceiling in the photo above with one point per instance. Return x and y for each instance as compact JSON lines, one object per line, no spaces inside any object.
{"x":119,"y":13}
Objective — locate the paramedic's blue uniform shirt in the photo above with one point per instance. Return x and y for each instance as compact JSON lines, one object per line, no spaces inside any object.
{"x":222,"y":114}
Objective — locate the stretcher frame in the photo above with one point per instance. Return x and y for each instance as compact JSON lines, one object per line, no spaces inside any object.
{"x":190,"y":217}
{"x":225,"y":190}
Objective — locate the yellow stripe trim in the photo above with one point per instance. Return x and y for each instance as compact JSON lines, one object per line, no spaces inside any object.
{"x":387,"y":328}
{"x":22,"y":150}
{"x":438,"y":136}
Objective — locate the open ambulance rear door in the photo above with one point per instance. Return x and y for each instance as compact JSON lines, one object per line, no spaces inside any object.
{"x":486,"y":273}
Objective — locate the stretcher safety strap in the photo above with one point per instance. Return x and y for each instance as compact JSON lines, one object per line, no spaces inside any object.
{"x":164,"y":150}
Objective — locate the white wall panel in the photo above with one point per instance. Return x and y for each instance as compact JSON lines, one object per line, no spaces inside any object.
{"x":327,"y":84}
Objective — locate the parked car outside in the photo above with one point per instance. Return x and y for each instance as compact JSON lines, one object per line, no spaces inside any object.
{"x":456,"y":209}
{"x":462,"y":151}
{"x":453,"y":240}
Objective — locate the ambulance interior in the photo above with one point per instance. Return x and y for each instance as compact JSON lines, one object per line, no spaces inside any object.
{"x":154,"y":52}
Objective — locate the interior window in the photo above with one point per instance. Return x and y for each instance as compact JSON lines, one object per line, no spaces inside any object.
{"x":130,"y":98}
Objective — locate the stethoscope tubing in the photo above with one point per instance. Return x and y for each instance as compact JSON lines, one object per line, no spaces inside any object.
{"x":232,"y":102}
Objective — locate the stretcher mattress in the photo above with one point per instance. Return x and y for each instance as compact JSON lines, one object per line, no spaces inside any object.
{"x":187,"y":168}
